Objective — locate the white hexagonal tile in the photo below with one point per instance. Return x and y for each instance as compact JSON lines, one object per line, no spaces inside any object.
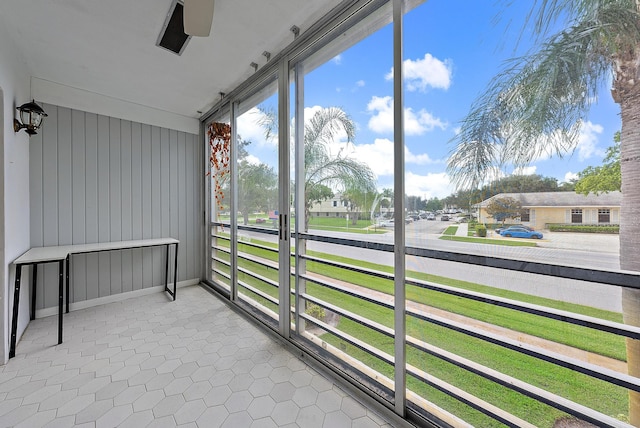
{"x":197,"y":390}
{"x":213,"y":417}
{"x":337,"y":419}
{"x":329,"y":401}
{"x":190,"y":412}
{"x":305,"y":396}
{"x":285,"y":413}
{"x":218,"y":395}
{"x":261,"y":407}
{"x":310,"y":417}
{"x":261,"y":387}
{"x":238,"y":401}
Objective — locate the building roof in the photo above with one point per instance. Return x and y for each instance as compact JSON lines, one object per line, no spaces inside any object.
{"x":560,"y":199}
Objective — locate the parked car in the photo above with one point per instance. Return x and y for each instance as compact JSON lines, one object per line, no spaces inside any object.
{"x":500,"y":229}
{"x":424,"y":216}
{"x":520,"y":232}
{"x":431,"y":216}
{"x":408,"y":220}
{"x":386,"y":223}
{"x":444,"y":217}
{"x":415,"y":217}
{"x":261,"y":220}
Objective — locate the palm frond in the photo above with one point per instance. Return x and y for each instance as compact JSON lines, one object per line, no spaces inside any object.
{"x":534,"y":108}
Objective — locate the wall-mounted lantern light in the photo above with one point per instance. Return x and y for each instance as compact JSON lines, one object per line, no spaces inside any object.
{"x":31,"y":115}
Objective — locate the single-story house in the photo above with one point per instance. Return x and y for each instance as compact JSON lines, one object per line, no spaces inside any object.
{"x":331,"y":207}
{"x":542,"y":208}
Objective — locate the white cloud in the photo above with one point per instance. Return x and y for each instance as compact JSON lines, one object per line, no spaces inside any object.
{"x":379,"y":156}
{"x":382,"y":119}
{"x":253,"y":160}
{"x":337,"y":59}
{"x":429,"y":185}
{"x":250,"y":129}
{"x":415,"y":123}
{"x":359,"y":84}
{"x":588,"y":141}
{"x":425,"y":72}
{"x":525,"y":170}
{"x":417,"y":159}
{"x":570,"y":176}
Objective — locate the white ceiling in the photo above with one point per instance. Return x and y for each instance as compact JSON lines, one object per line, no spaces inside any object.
{"x":109,"y":47}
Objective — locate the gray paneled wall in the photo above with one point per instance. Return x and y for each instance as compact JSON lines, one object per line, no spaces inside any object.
{"x":97,"y":179}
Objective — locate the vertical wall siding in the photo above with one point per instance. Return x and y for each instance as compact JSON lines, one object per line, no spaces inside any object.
{"x":97,"y":179}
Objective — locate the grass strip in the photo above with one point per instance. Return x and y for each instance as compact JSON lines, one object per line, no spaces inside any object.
{"x":451,"y":230}
{"x":489,"y":241}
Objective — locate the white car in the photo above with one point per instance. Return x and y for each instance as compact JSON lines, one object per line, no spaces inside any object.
{"x":386,"y":223}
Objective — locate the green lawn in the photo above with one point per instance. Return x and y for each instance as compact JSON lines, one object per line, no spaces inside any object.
{"x":475,"y":240}
{"x":451,"y":230}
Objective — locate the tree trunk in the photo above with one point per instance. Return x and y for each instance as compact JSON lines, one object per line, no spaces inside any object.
{"x":630,"y":228}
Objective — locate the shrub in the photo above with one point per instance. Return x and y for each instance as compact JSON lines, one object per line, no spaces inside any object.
{"x":481,"y":230}
{"x":316,"y":312}
{"x":584,"y":228}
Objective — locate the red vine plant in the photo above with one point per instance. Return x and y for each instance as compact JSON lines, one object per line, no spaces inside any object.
{"x":219,"y":136}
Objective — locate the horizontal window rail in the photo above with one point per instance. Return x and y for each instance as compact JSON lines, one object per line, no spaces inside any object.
{"x":510,"y":382}
{"x":469,"y":399}
{"x":626,"y":330}
{"x":264,"y":230}
{"x":363,"y":346}
{"x":619,"y":278}
{"x":347,"y":291}
{"x":556,"y":314}
{"x":389,"y":332}
{"x":592,"y":370}
{"x":258,"y":292}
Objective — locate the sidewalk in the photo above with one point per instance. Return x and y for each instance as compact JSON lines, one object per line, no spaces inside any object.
{"x":463,"y":229}
{"x":604,"y":243}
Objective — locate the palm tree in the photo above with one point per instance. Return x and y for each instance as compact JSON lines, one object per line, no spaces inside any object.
{"x":535,"y":106}
{"x":324,"y":169}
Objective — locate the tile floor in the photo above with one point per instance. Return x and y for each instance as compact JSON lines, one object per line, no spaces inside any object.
{"x":151,"y":362}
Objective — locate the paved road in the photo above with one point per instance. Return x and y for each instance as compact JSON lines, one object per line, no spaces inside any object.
{"x":596,"y":252}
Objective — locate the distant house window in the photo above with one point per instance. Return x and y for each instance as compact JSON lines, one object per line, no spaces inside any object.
{"x":576,"y":215}
{"x":335,"y":203}
{"x":525,"y":215}
{"x":604,"y":215}
{"x":345,"y":203}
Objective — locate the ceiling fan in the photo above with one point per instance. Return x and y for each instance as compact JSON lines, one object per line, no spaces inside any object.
{"x":198,"y":16}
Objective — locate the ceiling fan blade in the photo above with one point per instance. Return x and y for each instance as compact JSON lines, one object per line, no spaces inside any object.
{"x":198,"y":16}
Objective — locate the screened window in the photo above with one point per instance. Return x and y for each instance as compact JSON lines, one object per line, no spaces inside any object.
{"x":576,"y":215}
{"x":604,"y":215}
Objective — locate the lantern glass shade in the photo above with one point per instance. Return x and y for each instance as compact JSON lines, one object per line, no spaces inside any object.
{"x":31,"y":115}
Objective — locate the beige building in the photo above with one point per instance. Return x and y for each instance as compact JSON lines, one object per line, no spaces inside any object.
{"x":332,"y":207}
{"x":543,"y":208}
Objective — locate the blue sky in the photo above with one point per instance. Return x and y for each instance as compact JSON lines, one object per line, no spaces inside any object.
{"x":452,"y":49}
